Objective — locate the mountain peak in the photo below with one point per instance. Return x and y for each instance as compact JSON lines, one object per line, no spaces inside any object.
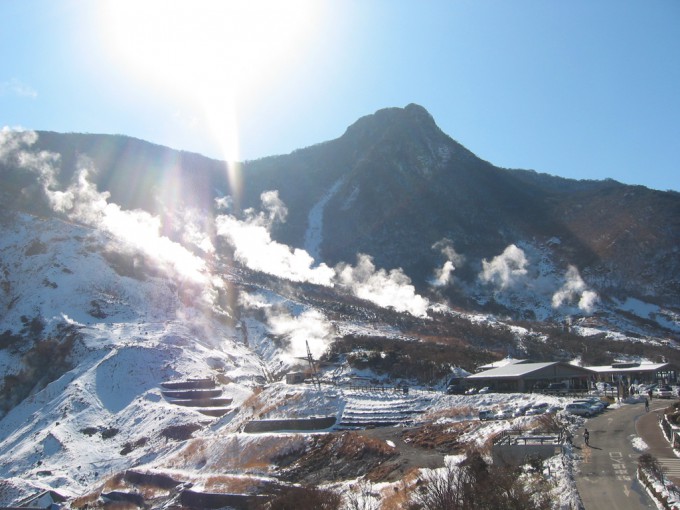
{"x":409,"y":119}
{"x":418,"y":112}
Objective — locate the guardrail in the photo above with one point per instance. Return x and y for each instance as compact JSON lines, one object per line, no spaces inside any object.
{"x":515,"y":436}
{"x":377,"y":388}
{"x":564,"y":393}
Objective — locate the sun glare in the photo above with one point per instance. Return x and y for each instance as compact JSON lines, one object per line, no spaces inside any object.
{"x":213,"y":56}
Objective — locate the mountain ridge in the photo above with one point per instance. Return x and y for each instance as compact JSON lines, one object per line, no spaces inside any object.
{"x":402,"y":186}
{"x":116,"y":279}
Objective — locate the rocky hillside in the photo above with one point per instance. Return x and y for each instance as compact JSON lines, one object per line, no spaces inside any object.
{"x":398,"y":189}
{"x":144,"y":324}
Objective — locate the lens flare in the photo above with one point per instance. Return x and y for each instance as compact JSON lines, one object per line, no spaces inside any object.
{"x":210,"y":57}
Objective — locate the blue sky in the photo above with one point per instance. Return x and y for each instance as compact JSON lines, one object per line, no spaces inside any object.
{"x":580,"y":88}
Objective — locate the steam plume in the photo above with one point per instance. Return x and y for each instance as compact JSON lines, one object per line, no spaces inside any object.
{"x":254,"y":247}
{"x":133,"y":231}
{"x":384,"y":288}
{"x":575,"y":290}
{"x":506,"y":269}
{"x":444,"y":275}
{"x":14,"y":150}
{"x":308,"y":327}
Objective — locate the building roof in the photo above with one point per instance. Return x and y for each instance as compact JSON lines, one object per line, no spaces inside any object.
{"x":518,"y":370}
{"x":512,"y":370}
{"x":500,"y":363}
{"x":641,"y":367}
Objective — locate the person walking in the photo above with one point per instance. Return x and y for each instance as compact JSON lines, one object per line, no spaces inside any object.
{"x":586,"y":437}
{"x":646,"y":405}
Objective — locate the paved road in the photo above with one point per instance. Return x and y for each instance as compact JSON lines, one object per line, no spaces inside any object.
{"x":647,"y":427}
{"x":607,"y":479}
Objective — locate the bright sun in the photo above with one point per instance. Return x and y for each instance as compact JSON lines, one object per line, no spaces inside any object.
{"x":212,"y":54}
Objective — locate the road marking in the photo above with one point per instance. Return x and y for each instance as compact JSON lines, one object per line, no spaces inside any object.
{"x":620,"y":469}
{"x":671,"y":466}
{"x":586,"y":456}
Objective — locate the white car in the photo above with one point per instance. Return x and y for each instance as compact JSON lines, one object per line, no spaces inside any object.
{"x":521,"y":410}
{"x":484,"y":390}
{"x":663,"y":392}
{"x":503,"y":414}
{"x":537,"y":409}
{"x":579,"y":409}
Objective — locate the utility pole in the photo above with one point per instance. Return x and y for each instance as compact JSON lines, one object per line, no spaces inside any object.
{"x":312,"y":367}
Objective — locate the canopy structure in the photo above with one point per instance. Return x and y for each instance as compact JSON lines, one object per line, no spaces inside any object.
{"x":635,"y":373}
{"x":523,"y":377}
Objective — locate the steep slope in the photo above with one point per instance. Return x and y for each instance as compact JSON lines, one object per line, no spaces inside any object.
{"x":85,"y":349}
{"x":94,"y":329}
{"x":394,"y":185}
{"x":396,"y":188}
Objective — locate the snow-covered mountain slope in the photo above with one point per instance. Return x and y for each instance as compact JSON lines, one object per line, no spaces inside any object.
{"x":92,"y":334}
{"x":102,"y":309}
{"x":103,"y":410}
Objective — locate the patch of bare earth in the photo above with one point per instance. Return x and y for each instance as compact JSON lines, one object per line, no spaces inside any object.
{"x":385,"y":454}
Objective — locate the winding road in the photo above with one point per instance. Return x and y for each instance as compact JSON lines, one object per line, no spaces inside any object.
{"x":607,"y":478}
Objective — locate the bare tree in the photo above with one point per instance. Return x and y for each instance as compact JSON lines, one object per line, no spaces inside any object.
{"x":362,"y":497}
{"x":476,"y":485}
{"x":442,"y":489}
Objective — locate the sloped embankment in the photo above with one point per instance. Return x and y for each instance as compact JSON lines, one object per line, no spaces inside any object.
{"x":203,"y":394}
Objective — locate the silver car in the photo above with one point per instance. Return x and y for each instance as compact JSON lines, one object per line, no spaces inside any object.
{"x":579,"y":409}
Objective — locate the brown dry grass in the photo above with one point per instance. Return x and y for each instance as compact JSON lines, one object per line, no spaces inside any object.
{"x":254,"y":399}
{"x":85,"y":501}
{"x":353,"y":445}
{"x":230,"y":484}
{"x":397,"y":497}
{"x":257,"y":405}
{"x":438,"y":437}
{"x":394,"y":498}
{"x":89,"y":500}
{"x":113,"y":483}
{"x":195,"y":449}
{"x":120,"y":505}
{"x":264,"y":410}
{"x":452,"y":413}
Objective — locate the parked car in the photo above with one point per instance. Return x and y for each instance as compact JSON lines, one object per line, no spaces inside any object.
{"x":503,"y":414}
{"x":484,"y":390}
{"x":579,"y":409}
{"x":537,"y":409}
{"x":663,"y":392}
{"x":486,"y":415}
{"x":455,"y":390}
{"x":594,"y":406}
{"x":606,"y":387}
{"x":595,"y":403}
{"x":521,"y":410}
{"x":471,"y":391}
{"x":644,"y":389}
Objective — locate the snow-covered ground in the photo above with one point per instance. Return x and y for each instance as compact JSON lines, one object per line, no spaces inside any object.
{"x":135,"y":326}
{"x":137,"y":329}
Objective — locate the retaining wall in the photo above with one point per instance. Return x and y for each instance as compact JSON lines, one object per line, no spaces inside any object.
{"x":284,"y":425}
